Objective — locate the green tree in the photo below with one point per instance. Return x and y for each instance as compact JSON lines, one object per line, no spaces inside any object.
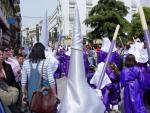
{"x":136,"y":26}
{"x":104,"y":17}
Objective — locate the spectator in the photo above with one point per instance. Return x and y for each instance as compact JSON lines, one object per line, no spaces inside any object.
{"x":32,"y":69}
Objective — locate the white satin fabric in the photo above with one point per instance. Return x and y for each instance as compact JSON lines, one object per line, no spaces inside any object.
{"x":79,"y":97}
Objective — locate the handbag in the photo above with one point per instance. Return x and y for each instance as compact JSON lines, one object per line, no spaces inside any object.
{"x":10,"y":96}
{"x":44,"y":103}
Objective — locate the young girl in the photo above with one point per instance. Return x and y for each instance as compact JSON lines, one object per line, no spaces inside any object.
{"x":130,"y":81}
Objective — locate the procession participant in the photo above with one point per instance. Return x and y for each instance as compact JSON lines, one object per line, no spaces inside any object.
{"x":102,"y":54}
{"x":142,"y":62}
{"x":60,"y":56}
{"x":91,"y":56}
{"x":66,"y":59}
{"x":111,"y":90}
{"x":78,"y":96}
{"x":130,"y":81}
{"x":105,"y":85}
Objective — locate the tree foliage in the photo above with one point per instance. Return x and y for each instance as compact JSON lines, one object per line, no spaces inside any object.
{"x":104,"y":17}
{"x":136,"y":26}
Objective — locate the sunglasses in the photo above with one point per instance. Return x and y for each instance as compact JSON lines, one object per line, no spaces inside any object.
{"x":7,"y":49}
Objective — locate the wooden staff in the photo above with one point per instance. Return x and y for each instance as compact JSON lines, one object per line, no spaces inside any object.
{"x":121,"y":42}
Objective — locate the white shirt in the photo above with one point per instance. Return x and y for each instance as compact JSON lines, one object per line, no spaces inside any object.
{"x":49,"y":69}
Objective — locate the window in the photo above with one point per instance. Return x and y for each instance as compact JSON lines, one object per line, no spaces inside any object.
{"x":71,"y":13}
{"x":71,"y":28}
{"x":89,"y":2}
{"x":72,"y":2}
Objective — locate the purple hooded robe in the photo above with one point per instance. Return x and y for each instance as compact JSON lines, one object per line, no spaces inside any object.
{"x":133,"y":98}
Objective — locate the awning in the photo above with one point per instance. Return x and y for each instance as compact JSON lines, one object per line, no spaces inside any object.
{"x":3,"y":20}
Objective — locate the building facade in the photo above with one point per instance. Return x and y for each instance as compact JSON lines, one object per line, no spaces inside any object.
{"x":60,"y":22}
{"x":133,"y":6}
{"x":63,"y":17}
{"x":10,"y":22}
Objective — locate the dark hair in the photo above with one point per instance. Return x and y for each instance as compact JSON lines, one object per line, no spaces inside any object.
{"x":130,"y":60}
{"x":1,"y":48}
{"x":20,"y":55}
{"x":37,"y":53}
{"x":114,"y":68}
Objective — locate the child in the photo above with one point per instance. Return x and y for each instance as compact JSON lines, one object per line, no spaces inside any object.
{"x":130,"y":81}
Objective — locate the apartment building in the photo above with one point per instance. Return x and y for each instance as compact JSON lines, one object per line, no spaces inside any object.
{"x":10,"y":22}
{"x":63,"y":17}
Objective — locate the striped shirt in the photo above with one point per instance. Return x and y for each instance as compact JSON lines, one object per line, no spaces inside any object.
{"x":49,"y":68}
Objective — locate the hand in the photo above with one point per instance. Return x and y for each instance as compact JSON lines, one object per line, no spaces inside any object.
{"x":24,"y":99}
{"x":45,"y":88}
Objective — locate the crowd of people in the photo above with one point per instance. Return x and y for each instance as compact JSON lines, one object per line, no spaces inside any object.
{"x":128,"y":71}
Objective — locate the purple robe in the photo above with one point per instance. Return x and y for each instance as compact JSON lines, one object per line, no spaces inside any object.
{"x":66,"y":60}
{"x":66,"y":64}
{"x":145,"y":76}
{"x":60,"y":56}
{"x":145,"y":81}
{"x":114,"y":87}
{"x":148,"y":71}
{"x":133,"y":98}
{"x":115,"y":58}
{"x":111,"y":92}
{"x":101,"y":57}
{"x":86,"y":62}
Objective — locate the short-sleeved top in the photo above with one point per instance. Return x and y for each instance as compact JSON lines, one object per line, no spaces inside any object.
{"x":49,"y":69}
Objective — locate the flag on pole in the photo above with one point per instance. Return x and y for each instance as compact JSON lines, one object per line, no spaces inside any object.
{"x":79,"y":97}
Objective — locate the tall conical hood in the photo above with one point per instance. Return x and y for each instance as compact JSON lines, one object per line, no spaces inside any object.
{"x":106,"y":45}
{"x":44,"y":38}
{"x":79,"y":97}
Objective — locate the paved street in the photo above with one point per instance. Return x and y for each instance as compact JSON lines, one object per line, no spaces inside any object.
{"x":61,"y":86}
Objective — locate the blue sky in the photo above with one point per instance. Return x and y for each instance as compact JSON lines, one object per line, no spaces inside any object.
{"x":35,"y":8}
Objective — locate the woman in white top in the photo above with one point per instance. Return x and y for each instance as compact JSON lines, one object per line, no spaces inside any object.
{"x":33,"y":68}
